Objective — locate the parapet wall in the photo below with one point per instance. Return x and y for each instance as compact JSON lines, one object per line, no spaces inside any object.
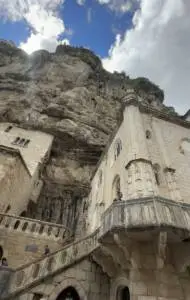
{"x":24,"y":239}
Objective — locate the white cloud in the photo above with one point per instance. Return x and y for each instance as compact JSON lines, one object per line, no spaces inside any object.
{"x":80,"y":2}
{"x":42,"y":17}
{"x":89,"y":15}
{"x":121,"y":6}
{"x":157,"y":47}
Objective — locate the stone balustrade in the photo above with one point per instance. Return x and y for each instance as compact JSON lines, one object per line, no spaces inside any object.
{"x":147,"y":213}
{"x":32,"y":273}
{"x":34,"y":227}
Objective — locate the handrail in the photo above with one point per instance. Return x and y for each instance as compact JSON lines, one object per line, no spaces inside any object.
{"x":59,"y":250}
{"x":31,"y":274}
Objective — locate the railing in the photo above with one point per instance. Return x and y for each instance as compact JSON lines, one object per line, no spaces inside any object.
{"x":31,"y":274}
{"x":146,"y":213}
{"x":34,"y":227}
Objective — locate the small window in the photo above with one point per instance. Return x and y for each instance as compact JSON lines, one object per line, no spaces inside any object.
{"x":16,"y":141}
{"x":26,"y":143}
{"x":21,"y":142}
{"x":7,"y":209}
{"x":156,"y":168}
{"x":8,"y":128}
{"x":148,"y":134}
{"x":118,"y":148}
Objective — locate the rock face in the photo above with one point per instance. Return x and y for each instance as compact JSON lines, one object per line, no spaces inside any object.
{"x":70,"y":95}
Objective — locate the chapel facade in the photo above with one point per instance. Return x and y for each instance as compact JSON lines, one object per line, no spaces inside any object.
{"x":134,"y":235}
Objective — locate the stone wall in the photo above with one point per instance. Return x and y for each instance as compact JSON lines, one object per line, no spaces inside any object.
{"x":169,"y":146}
{"x":86,"y":277}
{"x":34,"y":152}
{"x":15,"y":183}
{"x":153,"y":160}
{"x":146,"y":282}
{"x":21,"y":248}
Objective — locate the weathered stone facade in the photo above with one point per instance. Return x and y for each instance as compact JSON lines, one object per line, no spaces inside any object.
{"x":132,"y":238}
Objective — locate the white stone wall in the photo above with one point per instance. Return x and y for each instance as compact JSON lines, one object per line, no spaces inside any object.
{"x":146,"y":282}
{"x":33,"y":154}
{"x":86,"y":277}
{"x":15,"y":184}
{"x":134,"y":146}
{"x":167,"y":148}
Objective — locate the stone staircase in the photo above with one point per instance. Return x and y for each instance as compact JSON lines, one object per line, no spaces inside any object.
{"x":30,"y":275}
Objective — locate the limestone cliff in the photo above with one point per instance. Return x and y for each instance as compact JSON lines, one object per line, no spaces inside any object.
{"x":70,"y":95}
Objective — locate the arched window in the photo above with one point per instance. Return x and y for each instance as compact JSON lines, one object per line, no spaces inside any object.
{"x":16,"y":224}
{"x":69,"y":294}
{"x":148,"y":134}
{"x":156,"y":168}
{"x":25,"y":226}
{"x":117,"y":148}
{"x":116,"y":190}
{"x":23,"y":214}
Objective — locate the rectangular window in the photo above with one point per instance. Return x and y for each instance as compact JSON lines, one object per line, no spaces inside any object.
{"x":16,"y":141}
{"x":21,"y":142}
{"x":26,"y":143}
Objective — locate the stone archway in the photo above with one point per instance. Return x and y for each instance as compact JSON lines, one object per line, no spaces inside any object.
{"x":64,"y":285}
{"x":69,"y":293}
{"x":119,"y":289}
{"x":1,"y":252}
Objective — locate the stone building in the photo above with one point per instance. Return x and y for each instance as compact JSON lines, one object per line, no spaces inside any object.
{"x":133,"y":234}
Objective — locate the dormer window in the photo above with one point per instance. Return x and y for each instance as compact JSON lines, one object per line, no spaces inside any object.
{"x":8,"y":128}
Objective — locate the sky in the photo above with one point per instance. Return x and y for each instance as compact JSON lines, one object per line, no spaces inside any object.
{"x":146,"y":38}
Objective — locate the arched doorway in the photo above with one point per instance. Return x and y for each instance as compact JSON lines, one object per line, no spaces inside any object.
{"x":123,"y":293}
{"x":68,"y":294}
{"x":1,"y":252}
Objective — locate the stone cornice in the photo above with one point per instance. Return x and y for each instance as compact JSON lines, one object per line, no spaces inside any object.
{"x":160,"y":114}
